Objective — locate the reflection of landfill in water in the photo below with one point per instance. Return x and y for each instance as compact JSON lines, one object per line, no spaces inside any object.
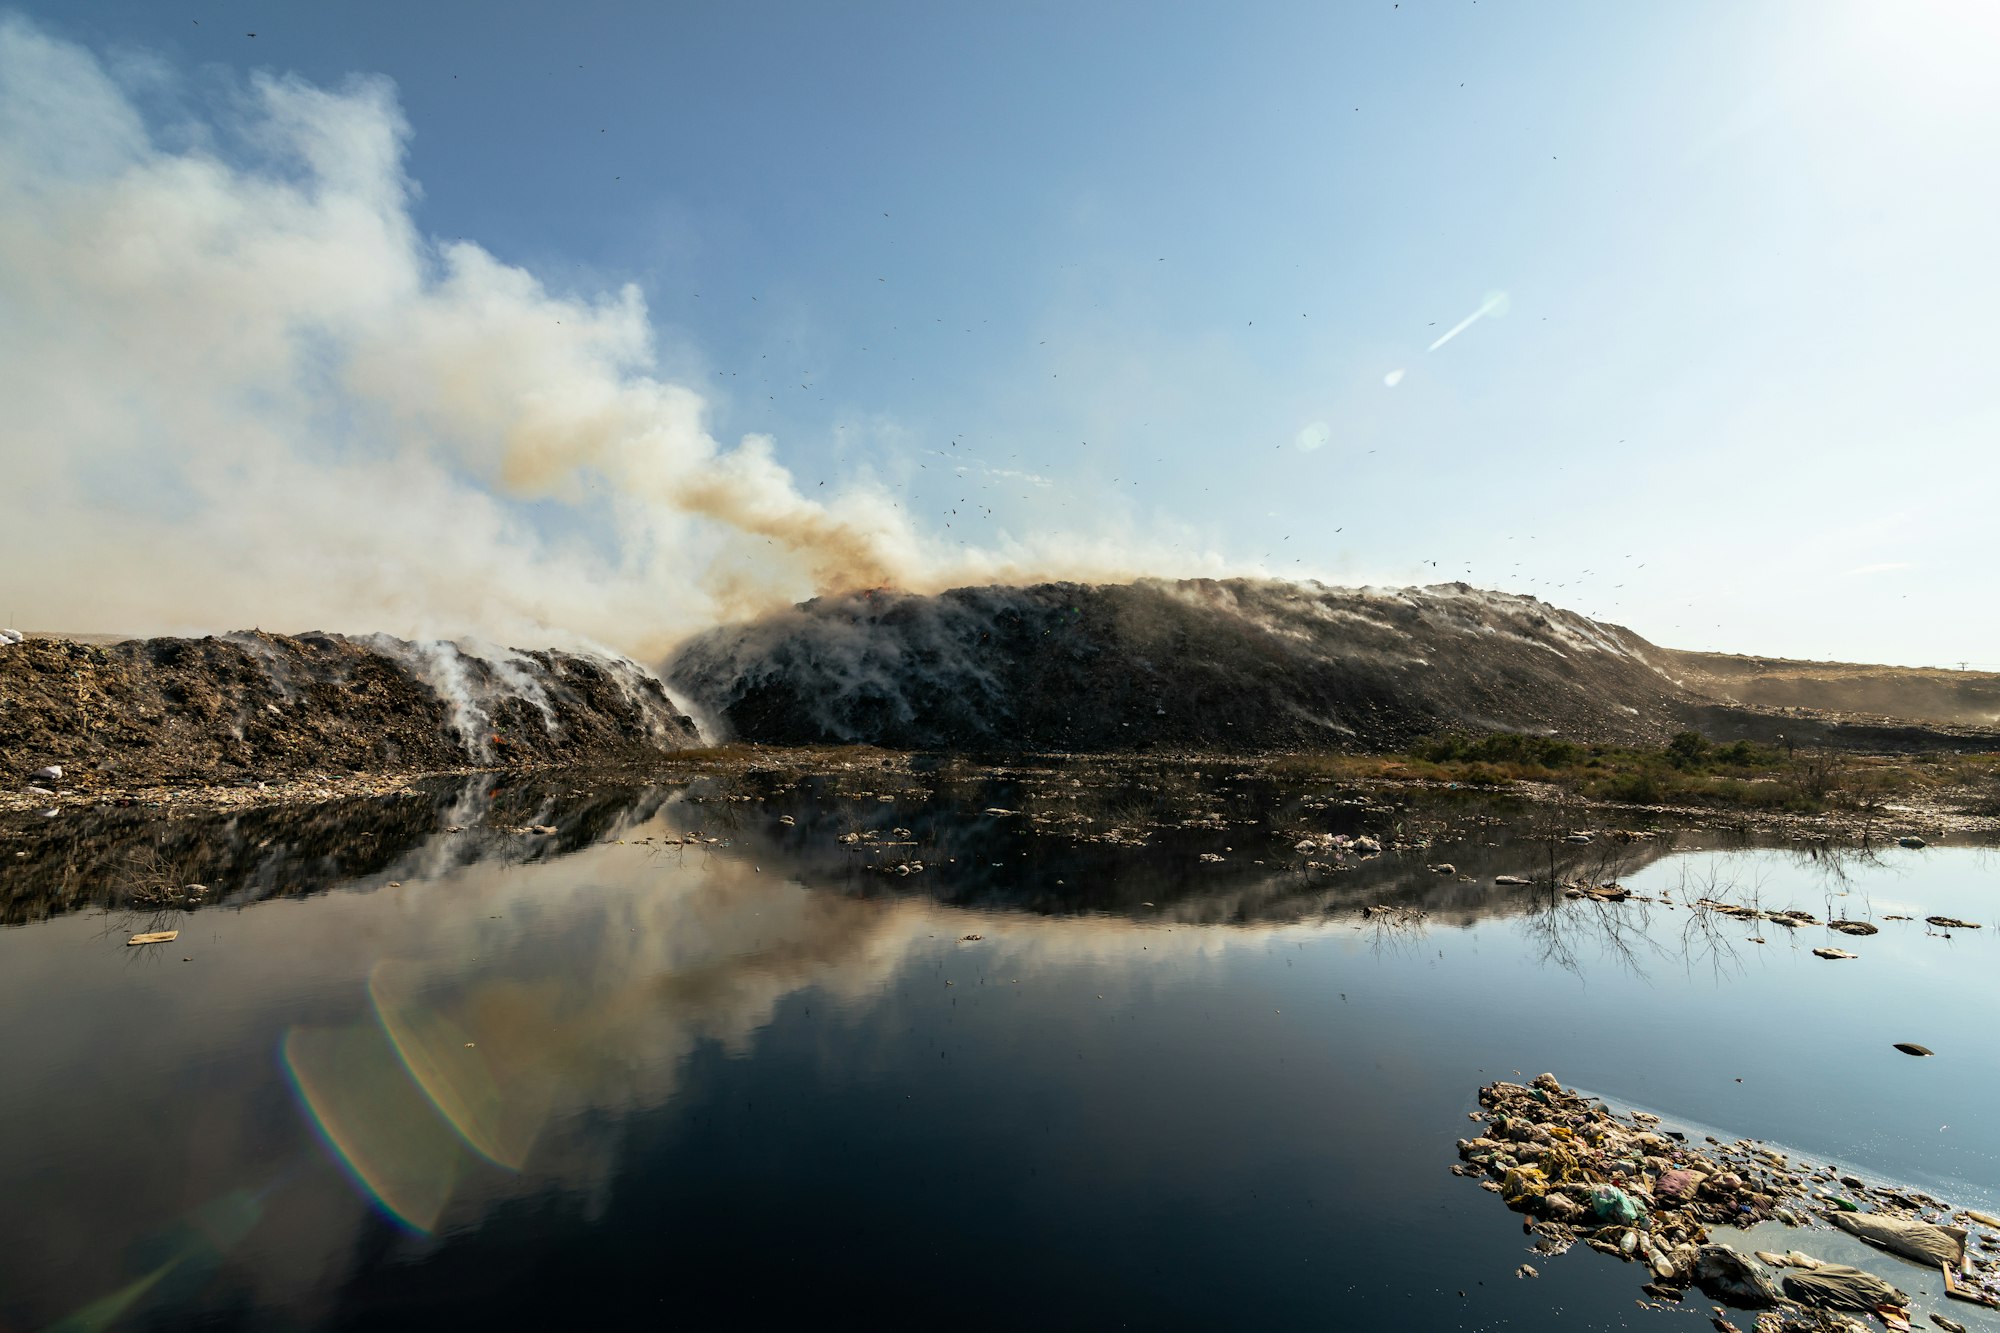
{"x":454,"y":1040}
{"x":1067,"y":838}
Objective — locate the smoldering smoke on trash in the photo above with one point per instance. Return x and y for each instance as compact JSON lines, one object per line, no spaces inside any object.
{"x":245,"y":388}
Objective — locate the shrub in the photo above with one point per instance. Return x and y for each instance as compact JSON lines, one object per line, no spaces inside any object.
{"x":1505,"y":747}
{"x":1687,"y":749}
{"x":1638,"y":787}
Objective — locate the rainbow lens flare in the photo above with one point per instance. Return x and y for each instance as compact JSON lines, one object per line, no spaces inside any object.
{"x":380,"y":1125}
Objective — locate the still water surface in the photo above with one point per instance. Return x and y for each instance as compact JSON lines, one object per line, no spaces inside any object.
{"x":1069,"y":1074}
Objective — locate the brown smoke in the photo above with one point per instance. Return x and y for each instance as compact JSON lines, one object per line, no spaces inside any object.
{"x":244,"y":395}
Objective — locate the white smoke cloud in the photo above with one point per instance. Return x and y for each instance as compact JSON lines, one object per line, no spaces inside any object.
{"x":243,"y":389}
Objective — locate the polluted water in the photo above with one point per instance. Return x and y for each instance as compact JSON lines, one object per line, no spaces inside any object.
{"x":1034,"y":1043}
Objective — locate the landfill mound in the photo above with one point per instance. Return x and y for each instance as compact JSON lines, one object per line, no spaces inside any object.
{"x":1232,"y":664}
{"x":256,"y":704}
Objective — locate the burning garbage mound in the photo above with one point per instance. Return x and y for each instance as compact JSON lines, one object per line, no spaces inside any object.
{"x":1231,"y":664}
{"x":256,"y":704}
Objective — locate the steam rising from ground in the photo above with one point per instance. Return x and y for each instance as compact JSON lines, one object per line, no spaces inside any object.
{"x":242,"y":388}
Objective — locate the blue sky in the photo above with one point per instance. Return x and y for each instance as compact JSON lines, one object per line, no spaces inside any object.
{"x":1144,"y":270}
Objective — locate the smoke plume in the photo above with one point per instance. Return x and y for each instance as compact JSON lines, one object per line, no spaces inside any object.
{"x":243,"y":389}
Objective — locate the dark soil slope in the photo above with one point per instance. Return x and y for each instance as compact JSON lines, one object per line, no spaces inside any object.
{"x":1203,"y":664}
{"x":257,"y":704}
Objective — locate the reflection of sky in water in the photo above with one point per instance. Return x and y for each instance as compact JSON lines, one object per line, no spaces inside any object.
{"x":599,"y":1063}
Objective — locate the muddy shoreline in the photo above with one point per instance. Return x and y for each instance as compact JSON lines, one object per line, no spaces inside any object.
{"x":1927,"y":818}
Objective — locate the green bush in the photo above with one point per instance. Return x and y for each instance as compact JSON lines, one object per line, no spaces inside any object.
{"x":1638,"y":787}
{"x":1687,"y":749}
{"x":1505,"y":747}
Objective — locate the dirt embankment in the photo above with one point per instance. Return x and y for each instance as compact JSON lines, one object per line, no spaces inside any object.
{"x":257,"y":705}
{"x":1921,"y":694}
{"x":1201,"y":664}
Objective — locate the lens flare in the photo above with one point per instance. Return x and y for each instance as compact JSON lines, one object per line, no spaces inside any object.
{"x":379,"y":1124}
{"x":1494,"y":304}
{"x":105,"y":1311}
{"x":466,"y":1067}
{"x":194,"y":1246}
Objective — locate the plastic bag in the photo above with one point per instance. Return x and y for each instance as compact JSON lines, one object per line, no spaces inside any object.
{"x":1615,"y":1205}
{"x":1918,"y":1241}
{"x":1838,"y":1287}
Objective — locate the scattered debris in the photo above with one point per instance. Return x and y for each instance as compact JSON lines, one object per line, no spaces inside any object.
{"x":1840,"y":1287}
{"x":1834,"y":953}
{"x":1619,"y":1186}
{"x":1617,"y":1183}
{"x":1912,"y":1238}
{"x":1952,"y":923}
{"x":1853,"y":927}
{"x":1959,"y":1290}
{"x":154,"y":937}
{"x":1395,"y":916}
{"x":1726,"y":1275}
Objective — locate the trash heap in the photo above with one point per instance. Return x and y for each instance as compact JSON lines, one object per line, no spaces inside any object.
{"x":1627,"y":1187}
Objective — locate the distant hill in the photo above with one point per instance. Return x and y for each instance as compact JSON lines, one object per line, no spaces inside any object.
{"x":1923,"y":694}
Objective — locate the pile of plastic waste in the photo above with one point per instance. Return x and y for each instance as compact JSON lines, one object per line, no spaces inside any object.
{"x":1630,"y":1188}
